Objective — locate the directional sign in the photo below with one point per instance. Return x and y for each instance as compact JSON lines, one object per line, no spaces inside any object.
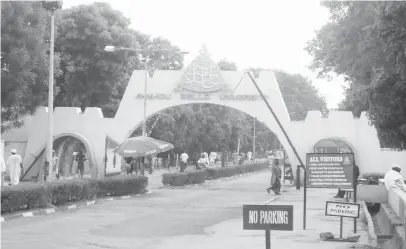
{"x":268,"y":217}
{"x":342,"y":209}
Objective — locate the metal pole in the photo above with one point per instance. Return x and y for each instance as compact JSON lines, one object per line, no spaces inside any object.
{"x":341,"y":227}
{"x":51,"y":99}
{"x":144,"y":124}
{"x":277,"y":120}
{"x":253,"y":140}
{"x":304,"y":200}
{"x":267,"y":239}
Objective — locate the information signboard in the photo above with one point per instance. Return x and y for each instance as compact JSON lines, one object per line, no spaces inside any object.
{"x":329,"y":170}
{"x":268,"y":217}
{"x":340,"y":209}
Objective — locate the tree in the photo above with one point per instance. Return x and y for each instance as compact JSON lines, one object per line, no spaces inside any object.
{"x":364,"y":42}
{"x":226,"y":65}
{"x":91,"y":76}
{"x":25,"y":31}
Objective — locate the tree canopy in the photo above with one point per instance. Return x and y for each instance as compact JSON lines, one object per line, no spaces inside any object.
{"x":364,"y":42}
{"x":85,"y":75}
{"x":24,"y":62}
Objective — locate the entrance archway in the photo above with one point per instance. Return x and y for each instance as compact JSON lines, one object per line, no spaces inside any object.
{"x":203,"y":82}
{"x":66,"y":145}
{"x":60,"y":140}
{"x":223,"y":116}
{"x":333,"y":145}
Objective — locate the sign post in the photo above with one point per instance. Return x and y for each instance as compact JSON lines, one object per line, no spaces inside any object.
{"x":342,"y":209}
{"x":328,"y":170}
{"x":268,"y":217}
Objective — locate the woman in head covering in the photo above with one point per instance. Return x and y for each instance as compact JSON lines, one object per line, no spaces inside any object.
{"x":275,"y":178}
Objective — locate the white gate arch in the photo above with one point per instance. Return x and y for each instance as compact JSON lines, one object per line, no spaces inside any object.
{"x":203,"y":82}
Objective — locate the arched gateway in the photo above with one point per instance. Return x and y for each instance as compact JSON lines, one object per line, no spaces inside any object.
{"x":203,"y":82}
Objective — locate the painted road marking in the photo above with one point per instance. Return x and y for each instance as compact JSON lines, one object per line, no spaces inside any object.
{"x":28,"y":214}
{"x":90,"y":203}
{"x":49,"y":210}
{"x":271,"y":200}
{"x":125,"y":197}
{"x":72,"y":207}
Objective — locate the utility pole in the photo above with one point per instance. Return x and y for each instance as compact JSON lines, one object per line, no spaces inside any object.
{"x":51,"y":6}
{"x":148,"y":52}
{"x":253,"y":138}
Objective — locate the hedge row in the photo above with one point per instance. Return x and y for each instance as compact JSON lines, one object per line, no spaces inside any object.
{"x":200,"y":176}
{"x":34,"y":195}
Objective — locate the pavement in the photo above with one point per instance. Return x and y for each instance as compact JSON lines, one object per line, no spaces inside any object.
{"x":191,"y":217}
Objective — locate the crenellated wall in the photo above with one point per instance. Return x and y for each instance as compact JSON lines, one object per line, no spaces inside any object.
{"x":91,"y":127}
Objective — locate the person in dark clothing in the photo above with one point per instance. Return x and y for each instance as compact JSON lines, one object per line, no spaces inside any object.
{"x":341,"y":193}
{"x":80,"y":159}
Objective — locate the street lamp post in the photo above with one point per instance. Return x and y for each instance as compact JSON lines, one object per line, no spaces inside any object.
{"x":147,"y":51}
{"x":51,"y":6}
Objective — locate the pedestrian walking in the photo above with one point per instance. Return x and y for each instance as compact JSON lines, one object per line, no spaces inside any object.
{"x":183,"y":161}
{"x":55,"y":166}
{"x":80,"y":159}
{"x":3,"y":170}
{"x":14,"y":163}
{"x":275,"y":185}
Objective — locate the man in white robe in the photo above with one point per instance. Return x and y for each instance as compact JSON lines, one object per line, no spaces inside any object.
{"x":393,"y":179}
{"x":3,"y":170}
{"x":14,"y":163}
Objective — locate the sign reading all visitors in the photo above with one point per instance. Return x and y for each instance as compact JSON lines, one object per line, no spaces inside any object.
{"x":341,"y":209}
{"x":268,"y":217}
{"x":330,"y":170}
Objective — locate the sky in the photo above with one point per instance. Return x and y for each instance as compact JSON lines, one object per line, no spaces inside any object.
{"x":255,"y":33}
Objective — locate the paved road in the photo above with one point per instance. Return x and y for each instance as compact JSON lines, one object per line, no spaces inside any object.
{"x":193,"y":217}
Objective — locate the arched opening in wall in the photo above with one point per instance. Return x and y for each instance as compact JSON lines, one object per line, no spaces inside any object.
{"x":68,"y":148}
{"x":333,"y":145}
{"x":65,"y":145}
{"x":204,"y":127}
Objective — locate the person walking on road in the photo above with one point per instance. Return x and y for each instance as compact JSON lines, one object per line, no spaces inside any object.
{"x":80,"y":159}
{"x":183,"y":161}
{"x":275,"y":178}
{"x":14,"y":162}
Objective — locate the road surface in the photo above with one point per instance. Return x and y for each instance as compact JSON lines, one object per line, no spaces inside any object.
{"x":193,"y":217}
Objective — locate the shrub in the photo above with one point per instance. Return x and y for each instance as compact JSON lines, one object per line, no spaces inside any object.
{"x":199,"y":176}
{"x":33,"y":195}
{"x":374,"y":175}
{"x":21,"y":197}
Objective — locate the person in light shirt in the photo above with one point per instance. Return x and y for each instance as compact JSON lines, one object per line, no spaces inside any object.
{"x":14,"y":162}
{"x":183,"y":161}
{"x":393,"y":179}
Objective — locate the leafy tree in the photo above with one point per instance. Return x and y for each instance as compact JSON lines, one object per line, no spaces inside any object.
{"x":91,"y":76}
{"x":25,"y":31}
{"x":364,"y":42}
{"x":226,"y":65}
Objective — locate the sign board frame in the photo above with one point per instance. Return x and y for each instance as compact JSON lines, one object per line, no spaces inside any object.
{"x":347,"y":170}
{"x":342,"y":203}
{"x":268,"y":208}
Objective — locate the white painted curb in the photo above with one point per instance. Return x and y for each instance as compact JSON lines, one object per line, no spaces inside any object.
{"x":125,"y":197}
{"x":28,"y":214}
{"x":72,"y":207}
{"x":49,"y":211}
{"x":109,"y":199}
{"x":138,"y":195}
{"x":2,"y":219}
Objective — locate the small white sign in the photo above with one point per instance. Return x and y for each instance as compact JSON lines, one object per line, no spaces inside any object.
{"x":342,"y":209}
